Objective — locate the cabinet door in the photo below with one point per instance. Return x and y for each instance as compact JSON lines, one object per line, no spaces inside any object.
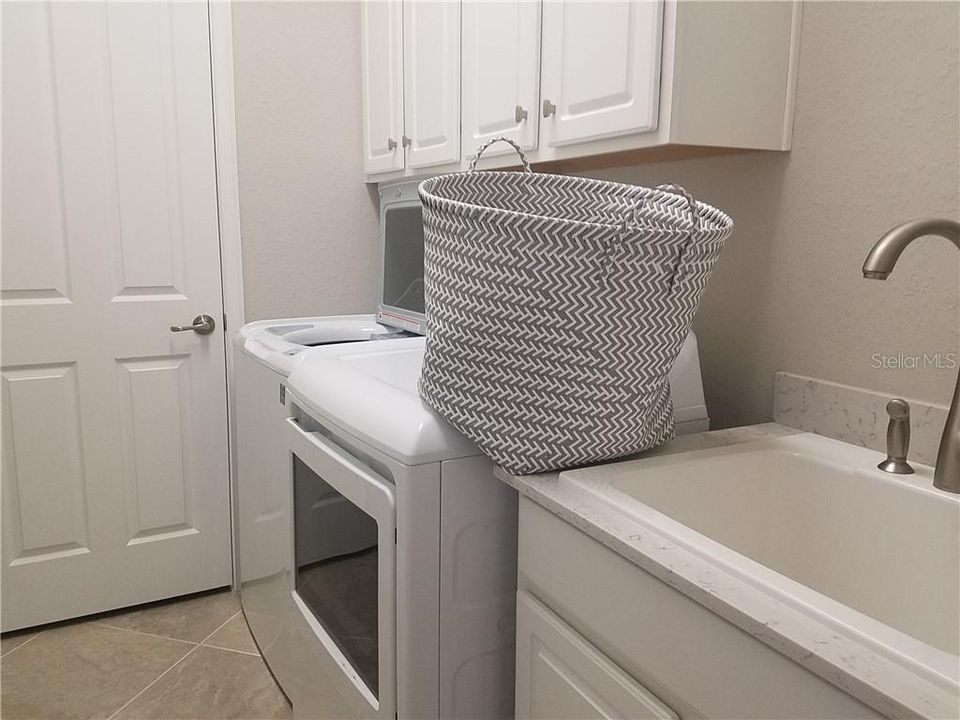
{"x":382,"y":68}
{"x":601,"y":69}
{"x":431,"y":82}
{"x":501,"y":74}
{"x":560,"y":676}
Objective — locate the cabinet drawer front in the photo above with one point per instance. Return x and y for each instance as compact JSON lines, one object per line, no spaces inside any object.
{"x":560,"y":676}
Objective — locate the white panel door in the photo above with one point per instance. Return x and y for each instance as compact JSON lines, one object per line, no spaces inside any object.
{"x":114,"y":486}
{"x":560,"y":676}
{"x":382,"y":67}
{"x":601,"y":69}
{"x":501,"y":74}
{"x":431,"y":82}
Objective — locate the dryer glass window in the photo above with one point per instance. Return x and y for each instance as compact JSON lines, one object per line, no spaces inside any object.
{"x":336,"y":555}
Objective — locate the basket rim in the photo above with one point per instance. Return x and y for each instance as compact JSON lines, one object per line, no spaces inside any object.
{"x":712,"y":218}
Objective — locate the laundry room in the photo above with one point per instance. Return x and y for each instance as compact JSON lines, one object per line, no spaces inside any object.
{"x":536,"y":359}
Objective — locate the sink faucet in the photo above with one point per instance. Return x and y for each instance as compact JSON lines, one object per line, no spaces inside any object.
{"x":878,"y":266}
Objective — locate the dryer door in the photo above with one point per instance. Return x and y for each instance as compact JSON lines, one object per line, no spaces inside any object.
{"x":345,"y":566}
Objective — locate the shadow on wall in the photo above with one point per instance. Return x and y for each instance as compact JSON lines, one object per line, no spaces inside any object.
{"x":749,"y":188}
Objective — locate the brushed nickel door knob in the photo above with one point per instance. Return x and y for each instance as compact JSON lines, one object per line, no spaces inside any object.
{"x":202,"y":325}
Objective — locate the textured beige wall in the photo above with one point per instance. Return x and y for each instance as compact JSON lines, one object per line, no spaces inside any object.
{"x":308,"y":221}
{"x":875,"y":143}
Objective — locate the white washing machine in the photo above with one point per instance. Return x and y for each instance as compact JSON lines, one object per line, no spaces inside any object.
{"x":404,"y":543}
{"x":264,"y":354}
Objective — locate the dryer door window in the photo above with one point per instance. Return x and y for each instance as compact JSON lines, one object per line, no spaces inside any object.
{"x":345,"y":524}
{"x":336,"y":555}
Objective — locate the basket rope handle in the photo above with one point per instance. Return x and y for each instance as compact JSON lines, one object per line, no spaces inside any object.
{"x":694,"y":213}
{"x":488,"y":143}
{"x":631,"y":219}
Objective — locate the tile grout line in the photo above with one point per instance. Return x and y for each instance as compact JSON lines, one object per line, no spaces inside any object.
{"x":234,"y":650}
{"x":220,"y":627}
{"x":161,"y":675}
{"x":142,"y":632}
{"x":25,"y":642}
{"x":218,"y":647}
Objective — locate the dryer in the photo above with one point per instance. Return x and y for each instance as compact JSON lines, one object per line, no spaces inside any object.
{"x":404,"y":543}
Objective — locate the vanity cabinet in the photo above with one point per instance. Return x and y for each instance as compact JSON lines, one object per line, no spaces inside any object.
{"x":569,"y":79}
{"x":599,"y":637}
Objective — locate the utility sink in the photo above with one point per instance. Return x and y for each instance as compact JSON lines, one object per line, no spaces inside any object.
{"x":813,"y":522}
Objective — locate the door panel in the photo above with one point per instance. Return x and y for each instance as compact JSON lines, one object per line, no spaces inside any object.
{"x":155,"y":440}
{"x":601,"y":68}
{"x":501,"y":72}
{"x":382,"y":67}
{"x":431,"y":82}
{"x":48,"y":491}
{"x":114,"y":439}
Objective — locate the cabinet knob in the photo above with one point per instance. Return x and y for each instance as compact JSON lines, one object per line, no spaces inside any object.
{"x":405,"y":140}
{"x":548,"y":108}
{"x":519,"y":114}
{"x":391,"y":144}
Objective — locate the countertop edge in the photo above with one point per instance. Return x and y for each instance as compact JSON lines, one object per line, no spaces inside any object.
{"x":879,"y":683}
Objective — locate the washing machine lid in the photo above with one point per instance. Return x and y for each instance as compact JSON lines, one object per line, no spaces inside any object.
{"x":279,"y":343}
{"x":370,"y":391}
{"x":402,"y":302}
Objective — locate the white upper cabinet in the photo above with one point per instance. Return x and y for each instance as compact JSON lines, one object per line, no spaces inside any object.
{"x":501,"y":74}
{"x":568,"y":79}
{"x":382,"y":68}
{"x":601,"y":69}
{"x":431,"y":82}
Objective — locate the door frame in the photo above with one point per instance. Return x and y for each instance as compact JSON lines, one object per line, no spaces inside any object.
{"x":220,"y":22}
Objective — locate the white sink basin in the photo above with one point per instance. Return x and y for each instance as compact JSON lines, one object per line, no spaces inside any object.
{"x":812,"y":521}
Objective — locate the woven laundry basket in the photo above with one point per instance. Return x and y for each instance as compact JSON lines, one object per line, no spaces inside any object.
{"x":556,"y":307}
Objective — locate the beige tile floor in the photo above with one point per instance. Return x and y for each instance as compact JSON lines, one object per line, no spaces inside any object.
{"x":180,"y":660}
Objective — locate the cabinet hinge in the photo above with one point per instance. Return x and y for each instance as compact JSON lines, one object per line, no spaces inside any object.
{"x":283,"y":394}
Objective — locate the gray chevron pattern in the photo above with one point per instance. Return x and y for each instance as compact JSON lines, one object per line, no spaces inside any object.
{"x":556,"y":307}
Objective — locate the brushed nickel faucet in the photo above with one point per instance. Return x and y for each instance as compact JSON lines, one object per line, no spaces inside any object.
{"x":878,"y":266}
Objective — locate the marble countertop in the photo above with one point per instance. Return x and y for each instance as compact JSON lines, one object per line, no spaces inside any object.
{"x":875,"y":680}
